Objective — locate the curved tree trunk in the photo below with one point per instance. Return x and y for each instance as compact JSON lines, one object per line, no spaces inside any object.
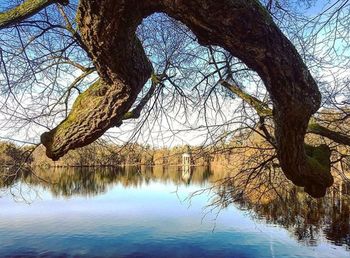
{"x":243,"y":27}
{"x":108,"y":31}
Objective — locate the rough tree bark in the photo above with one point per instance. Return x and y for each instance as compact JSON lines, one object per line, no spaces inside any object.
{"x":108,"y":31}
{"x":263,"y":110}
{"x":243,"y":27}
{"x":25,"y":10}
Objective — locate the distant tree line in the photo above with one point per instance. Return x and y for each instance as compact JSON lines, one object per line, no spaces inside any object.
{"x":11,"y":154}
{"x":101,"y":154}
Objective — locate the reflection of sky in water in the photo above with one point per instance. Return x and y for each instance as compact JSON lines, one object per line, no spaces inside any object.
{"x":150,"y":220}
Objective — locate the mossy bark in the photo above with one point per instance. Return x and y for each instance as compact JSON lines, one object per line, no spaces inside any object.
{"x":108,"y":31}
{"x":242,"y":27}
{"x":317,"y":157}
{"x":318,"y":129}
{"x":260,"y":107}
{"x":25,"y":10}
{"x":92,"y":109}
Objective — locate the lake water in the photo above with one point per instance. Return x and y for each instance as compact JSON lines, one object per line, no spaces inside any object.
{"x":138,"y":212}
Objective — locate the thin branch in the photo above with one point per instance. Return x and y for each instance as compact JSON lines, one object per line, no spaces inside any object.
{"x":264,"y":111}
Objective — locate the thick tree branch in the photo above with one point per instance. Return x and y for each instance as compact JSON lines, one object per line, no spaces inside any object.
{"x":242,"y":27}
{"x":318,"y":129}
{"x":25,"y":10}
{"x":263,"y":110}
{"x":123,"y":68}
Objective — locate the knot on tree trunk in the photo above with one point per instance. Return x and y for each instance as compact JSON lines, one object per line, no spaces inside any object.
{"x":315,"y":176}
{"x":305,"y":165}
{"x":318,"y":176}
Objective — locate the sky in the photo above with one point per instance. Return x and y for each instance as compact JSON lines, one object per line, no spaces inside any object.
{"x":168,"y":131}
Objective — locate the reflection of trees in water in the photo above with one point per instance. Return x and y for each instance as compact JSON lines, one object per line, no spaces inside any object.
{"x":12,"y":175}
{"x":307,"y":219}
{"x":92,"y":181}
{"x":339,"y":229}
{"x":12,"y":179}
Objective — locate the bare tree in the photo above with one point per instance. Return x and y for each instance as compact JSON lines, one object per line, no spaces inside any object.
{"x":219,"y":43}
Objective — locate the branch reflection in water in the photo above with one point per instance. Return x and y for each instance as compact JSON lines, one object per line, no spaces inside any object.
{"x":307,"y":219}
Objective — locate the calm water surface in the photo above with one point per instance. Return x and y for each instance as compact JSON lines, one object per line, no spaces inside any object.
{"x":146,"y":213}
